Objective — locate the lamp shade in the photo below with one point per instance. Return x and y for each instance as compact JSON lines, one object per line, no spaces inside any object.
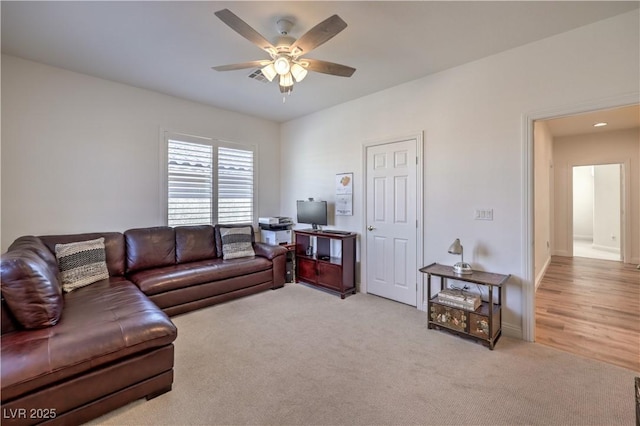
{"x":286,"y":90}
{"x":269,"y":71}
{"x":282,"y":65}
{"x":455,"y":247}
{"x":461,"y":267}
{"x":286,"y":80}
{"x":298,"y":72}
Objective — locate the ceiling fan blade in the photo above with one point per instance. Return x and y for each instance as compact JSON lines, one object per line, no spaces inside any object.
{"x":252,"y":64}
{"x":327,"y":67}
{"x":242,"y":28}
{"x":319,"y":34}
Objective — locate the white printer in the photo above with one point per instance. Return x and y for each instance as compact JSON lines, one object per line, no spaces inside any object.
{"x":275,"y":238}
{"x":275,"y":230}
{"x":278,"y":221}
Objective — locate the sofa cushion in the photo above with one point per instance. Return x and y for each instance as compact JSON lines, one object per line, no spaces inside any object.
{"x":113,"y":245}
{"x":150,"y":248}
{"x":237,"y":242}
{"x":194,"y":243}
{"x":30,"y":289}
{"x":81,"y":263}
{"x":160,"y":280}
{"x":219,"y":228}
{"x":104,"y":322}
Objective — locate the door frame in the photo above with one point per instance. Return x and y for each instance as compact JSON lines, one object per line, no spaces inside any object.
{"x":418,"y":137}
{"x":527,"y":202}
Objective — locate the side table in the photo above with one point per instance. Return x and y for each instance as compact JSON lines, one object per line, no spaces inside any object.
{"x":484,"y":323}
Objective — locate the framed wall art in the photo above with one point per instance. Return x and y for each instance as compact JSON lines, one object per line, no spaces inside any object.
{"x":344,"y":194}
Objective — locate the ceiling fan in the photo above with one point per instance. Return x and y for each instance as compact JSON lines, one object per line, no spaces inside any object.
{"x":286,"y":61}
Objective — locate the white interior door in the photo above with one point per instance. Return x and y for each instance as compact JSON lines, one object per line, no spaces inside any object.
{"x":392,"y":221}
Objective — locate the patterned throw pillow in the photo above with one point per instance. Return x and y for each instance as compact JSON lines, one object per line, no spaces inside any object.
{"x":236,"y":242}
{"x":81,"y":263}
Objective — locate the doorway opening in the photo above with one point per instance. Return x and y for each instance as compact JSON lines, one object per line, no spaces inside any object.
{"x":564,"y":311}
{"x":547,"y":212}
{"x":597,"y":222}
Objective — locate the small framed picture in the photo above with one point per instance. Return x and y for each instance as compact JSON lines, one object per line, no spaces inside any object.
{"x":344,"y":183}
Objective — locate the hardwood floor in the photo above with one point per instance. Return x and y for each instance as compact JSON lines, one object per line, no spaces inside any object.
{"x":591,"y":307}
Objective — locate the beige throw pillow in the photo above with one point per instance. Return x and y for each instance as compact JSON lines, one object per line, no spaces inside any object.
{"x":81,"y":263}
{"x":236,"y":242}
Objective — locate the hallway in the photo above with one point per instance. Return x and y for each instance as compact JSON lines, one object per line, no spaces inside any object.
{"x":591,"y":308}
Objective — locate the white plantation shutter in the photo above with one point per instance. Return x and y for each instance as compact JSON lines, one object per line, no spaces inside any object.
{"x":207,"y":182}
{"x":190,"y":183}
{"x":235,"y":185}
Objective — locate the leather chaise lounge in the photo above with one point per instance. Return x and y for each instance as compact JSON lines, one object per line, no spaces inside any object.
{"x":70,"y":357}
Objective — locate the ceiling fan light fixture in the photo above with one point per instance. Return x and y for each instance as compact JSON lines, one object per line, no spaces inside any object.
{"x":298,"y":72}
{"x":285,"y":55}
{"x":286,"y":80}
{"x":282,"y":65}
{"x":269,"y":72}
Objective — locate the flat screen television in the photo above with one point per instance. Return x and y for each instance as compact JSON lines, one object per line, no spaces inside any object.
{"x":312,"y":212}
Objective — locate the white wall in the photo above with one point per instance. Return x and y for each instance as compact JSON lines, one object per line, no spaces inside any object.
{"x":82,"y":154}
{"x":606,"y":206}
{"x":542,"y":185}
{"x":620,"y":146}
{"x":471,"y":117}
{"x":583,"y":203}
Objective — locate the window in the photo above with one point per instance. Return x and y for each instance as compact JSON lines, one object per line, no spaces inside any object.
{"x":235,"y":185}
{"x":208,"y":181}
{"x":190,"y":183}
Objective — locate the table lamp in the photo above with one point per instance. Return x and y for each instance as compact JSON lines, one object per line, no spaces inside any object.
{"x":461,"y":267}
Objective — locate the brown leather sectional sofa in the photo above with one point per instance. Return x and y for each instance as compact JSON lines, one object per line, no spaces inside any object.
{"x":111,"y":342}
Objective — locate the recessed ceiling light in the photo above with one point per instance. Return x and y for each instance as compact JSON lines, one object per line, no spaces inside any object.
{"x":601,"y":124}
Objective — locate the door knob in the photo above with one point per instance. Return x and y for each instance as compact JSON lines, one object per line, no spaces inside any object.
{"x":370,"y":228}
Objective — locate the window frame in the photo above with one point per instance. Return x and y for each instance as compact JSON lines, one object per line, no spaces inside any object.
{"x":166,"y":135}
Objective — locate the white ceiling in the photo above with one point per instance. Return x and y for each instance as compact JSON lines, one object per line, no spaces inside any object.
{"x":581,"y":124}
{"x":171,"y":46}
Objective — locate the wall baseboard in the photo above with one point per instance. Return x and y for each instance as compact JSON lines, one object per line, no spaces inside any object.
{"x":542,"y":272}
{"x":512,"y":330}
{"x":606,"y":248}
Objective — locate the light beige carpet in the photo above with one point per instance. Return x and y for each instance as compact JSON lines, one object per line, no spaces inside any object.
{"x":300,"y":356}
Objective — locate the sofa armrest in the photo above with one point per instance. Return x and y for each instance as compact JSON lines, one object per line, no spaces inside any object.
{"x":7,"y":321}
{"x":268,"y":251}
{"x":277,"y":255}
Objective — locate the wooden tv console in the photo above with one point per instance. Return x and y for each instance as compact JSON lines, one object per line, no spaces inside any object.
{"x":334,"y":273}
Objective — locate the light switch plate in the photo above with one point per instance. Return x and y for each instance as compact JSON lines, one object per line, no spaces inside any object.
{"x":483,"y":214}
